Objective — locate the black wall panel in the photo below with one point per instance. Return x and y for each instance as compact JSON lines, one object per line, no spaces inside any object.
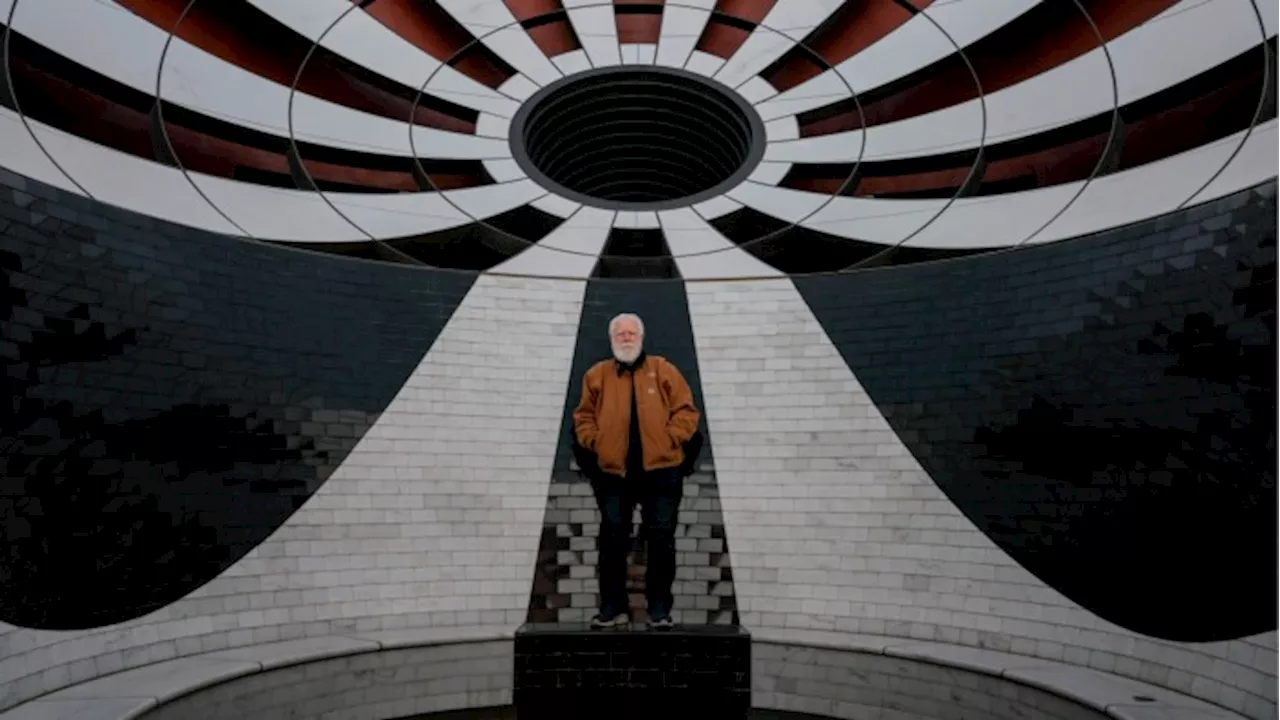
{"x":175,"y":396}
{"x":1103,"y":408}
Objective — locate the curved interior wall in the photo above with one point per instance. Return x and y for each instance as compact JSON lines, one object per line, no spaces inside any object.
{"x":429,"y":407}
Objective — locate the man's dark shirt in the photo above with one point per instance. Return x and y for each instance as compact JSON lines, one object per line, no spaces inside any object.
{"x":635,"y":453}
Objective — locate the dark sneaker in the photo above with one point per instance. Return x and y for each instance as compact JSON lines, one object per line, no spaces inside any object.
{"x":661,"y":621}
{"x":607,"y":618}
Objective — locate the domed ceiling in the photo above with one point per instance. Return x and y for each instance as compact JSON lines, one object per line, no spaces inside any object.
{"x":643,"y":138}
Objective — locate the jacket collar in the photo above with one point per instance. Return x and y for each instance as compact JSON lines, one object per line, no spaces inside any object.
{"x":624,"y":368}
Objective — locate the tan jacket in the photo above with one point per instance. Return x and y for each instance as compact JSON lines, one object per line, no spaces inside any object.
{"x":664,"y":406}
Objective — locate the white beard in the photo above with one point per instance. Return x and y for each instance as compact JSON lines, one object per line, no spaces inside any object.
{"x":626,"y":357}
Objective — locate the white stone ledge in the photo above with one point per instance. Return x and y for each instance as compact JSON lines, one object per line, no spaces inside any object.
{"x":1107,"y":693}
{"x":131,"y":693}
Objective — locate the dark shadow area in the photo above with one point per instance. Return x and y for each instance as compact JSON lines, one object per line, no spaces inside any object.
{"x":637,"y":138}
{"x":1103,"y":408}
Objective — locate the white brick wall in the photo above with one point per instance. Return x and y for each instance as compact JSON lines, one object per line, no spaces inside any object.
{"x":833,"y":526}
{"x":433,"y":520}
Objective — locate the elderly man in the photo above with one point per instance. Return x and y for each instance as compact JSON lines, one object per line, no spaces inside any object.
{"x":635,"y":414}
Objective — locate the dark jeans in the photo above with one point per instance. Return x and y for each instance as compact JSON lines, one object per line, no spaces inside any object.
{"x":658,"y":493}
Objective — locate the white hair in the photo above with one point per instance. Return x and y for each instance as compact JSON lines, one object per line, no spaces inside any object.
{"x":626,"y":316}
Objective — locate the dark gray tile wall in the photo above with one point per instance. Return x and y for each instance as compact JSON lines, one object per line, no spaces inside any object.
{"x":175,"y":396}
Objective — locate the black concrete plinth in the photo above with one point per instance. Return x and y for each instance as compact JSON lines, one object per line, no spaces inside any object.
{"x":569,"y":671}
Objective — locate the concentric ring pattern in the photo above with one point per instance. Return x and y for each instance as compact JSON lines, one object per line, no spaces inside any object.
{"x":977,"y":298}
{"x":897,"y":131}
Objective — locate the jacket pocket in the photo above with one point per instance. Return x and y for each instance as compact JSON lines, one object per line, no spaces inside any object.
{"x":671,"y":439}
{"x":670,"y":450}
